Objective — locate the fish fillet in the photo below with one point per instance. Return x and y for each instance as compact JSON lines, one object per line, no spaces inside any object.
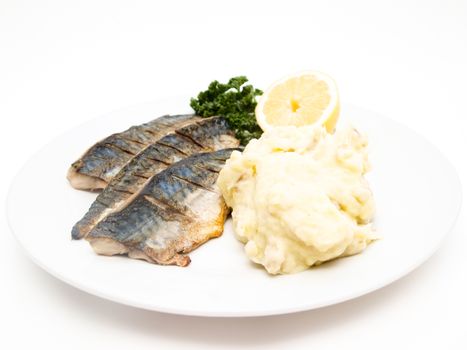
{"x":176,"y":211}
{"x":100,"y":163}
{"x":205,"y":135}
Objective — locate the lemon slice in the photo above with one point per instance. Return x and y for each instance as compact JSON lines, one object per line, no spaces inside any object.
{"x":306,"y":98}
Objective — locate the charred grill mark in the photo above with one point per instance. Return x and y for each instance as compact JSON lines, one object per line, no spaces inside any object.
{"x":192,"y":183}
{"x":163,"y":205}
{"x":133,"y":141}
{"x":120,"y":149}
{"x":141,"y":176}
{"x":206,"y":169}
{"x":172,"y":147}
{"x":159,"y":161}
{"x":191,"y":139}
{"x":220,"y":159}
{"x":124,"y":191}
{"x":152,"y":133}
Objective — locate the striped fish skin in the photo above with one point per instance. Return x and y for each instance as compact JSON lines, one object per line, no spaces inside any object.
{"x":208,"y":134}
{"x":100,"y":163}
{"x":176,"y":211}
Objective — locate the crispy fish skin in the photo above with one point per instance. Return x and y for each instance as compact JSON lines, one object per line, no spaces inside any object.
{"x":97,"y":166}
{"x":177,"y":210}
{"x":208,"y":134}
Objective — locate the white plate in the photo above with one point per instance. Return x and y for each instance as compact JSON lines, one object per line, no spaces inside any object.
{"x":418,"y":197}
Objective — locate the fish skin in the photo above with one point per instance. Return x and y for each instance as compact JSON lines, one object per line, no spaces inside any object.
{"x":100,"y":163}
{"x":208,"y":134}
{"x":176,"y":211}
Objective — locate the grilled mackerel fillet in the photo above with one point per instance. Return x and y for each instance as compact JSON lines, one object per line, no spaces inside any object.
{"x":176,"y":211}
{"x":100,"y":163}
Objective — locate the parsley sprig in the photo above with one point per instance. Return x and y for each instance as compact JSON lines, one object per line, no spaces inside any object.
{"x":235,"y":101}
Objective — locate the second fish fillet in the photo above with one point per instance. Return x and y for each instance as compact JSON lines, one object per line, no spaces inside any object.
{"x":100,"y":163}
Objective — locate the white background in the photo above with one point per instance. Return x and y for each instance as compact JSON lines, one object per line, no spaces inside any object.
{"x":63,"y":63}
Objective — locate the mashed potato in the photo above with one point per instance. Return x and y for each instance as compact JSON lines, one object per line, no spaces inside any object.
{"x":298,"y":197}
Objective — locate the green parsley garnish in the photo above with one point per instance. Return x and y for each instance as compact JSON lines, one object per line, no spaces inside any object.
{"x":235,"y":101}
